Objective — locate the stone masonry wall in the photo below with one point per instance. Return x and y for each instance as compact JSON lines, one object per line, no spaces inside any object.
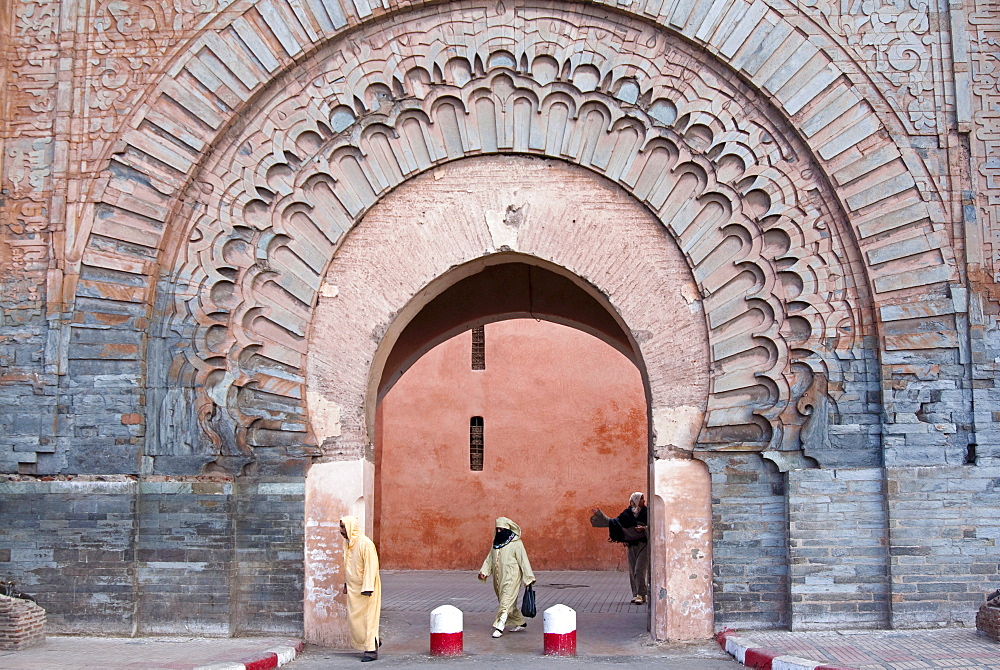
{"x":269,"y":520}
{"x":749,"y":526}
{"x":143,"y":557}
{"x":838,"y":548}
{"x":71,"y":546}
{"x":944,"y":527}
{"x":185,"y":551}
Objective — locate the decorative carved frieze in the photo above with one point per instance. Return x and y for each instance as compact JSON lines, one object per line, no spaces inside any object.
{"x":31,"y":89}
{"x":984,"y":61}
{"x":737,"y":192}
{"x":129,"y":42}
{"x":898,"y":43}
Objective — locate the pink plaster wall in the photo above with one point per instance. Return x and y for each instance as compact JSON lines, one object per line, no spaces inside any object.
{"x":565,"y":430}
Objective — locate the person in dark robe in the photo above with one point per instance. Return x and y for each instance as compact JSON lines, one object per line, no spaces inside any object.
{"x":631,"y":529}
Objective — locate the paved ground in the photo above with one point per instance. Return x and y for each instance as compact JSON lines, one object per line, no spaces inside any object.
{"x":612,"y":633}
{"x":953,"y":648}
{"x":605,"y":640}
{"x":598,"y":592}
{"x":145,"y":653}
{"x":610,"y":630}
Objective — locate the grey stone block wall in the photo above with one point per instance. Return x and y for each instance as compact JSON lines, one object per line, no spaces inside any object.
{"x":185,"y":549}
{"x":71,"y":546}
{"x":104,"y":399}
{"x":838,"y":549}
{"x":944,"y":526}
{"x":28,"y":392}
{"x":270,"y":522}
{"x":985,"y":350}
{"x":134,"y":557}
{"x":749,"y":526}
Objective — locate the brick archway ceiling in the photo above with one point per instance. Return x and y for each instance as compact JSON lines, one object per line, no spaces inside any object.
{"x":518,"y":288}
{"x":291,"y":161}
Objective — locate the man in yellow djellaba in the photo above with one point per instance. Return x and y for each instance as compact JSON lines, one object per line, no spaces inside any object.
{"x":508,"y":563}
{"x":363,"y":588}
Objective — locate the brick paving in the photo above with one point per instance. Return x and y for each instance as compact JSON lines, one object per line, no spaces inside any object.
{"x":956,"y":649}
{"x":139,"y":653}
{"x":611,"y":629}
{"x":594,"y":592}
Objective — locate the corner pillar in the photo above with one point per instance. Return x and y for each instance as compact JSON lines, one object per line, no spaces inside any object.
{"x":333,"y":490}
{"x":681,"y":550}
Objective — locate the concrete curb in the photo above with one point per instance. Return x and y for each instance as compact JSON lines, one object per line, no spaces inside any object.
{"x":763,"y":659}
{"x":269,"y":658}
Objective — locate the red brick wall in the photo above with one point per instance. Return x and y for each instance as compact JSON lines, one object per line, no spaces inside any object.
{"x":22,"y":623}
{"x":988,"y":621}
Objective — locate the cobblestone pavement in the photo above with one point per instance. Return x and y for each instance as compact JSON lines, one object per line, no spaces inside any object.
{"x":953,"y":648}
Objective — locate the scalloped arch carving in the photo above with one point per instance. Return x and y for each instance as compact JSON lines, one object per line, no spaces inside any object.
{"x":767,"y":246}
{"x":125,"y":237}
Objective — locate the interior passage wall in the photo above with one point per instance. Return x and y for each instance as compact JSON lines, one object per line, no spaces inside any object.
{"x":565,"y":430}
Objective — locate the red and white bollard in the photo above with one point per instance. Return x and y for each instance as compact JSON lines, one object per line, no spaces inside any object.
{"x":560,"y":631}
{"x":446,"y":631}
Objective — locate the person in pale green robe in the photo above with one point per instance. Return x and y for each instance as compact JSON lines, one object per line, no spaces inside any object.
{"x":508,"y":563}
{"x":363,"y":588}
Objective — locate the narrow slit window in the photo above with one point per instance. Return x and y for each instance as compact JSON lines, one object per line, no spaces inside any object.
{"x":476,"y":443}
{"x":479,"y":348}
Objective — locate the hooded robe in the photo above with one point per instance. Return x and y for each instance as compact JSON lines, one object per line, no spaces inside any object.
{"x":361,"y":570}
{"x":510,"y":568}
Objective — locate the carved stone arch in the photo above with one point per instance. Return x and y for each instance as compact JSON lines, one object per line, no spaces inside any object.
{"x":189,"y":114}
{"x":400,"y":262}
{"x":257,"y":39}
{"x":284,"y":203}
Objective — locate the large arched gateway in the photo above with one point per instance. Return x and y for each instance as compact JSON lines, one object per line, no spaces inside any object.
{"x":427,"y":264}
{"x":314,"y":194}
{"x":734,"y":193}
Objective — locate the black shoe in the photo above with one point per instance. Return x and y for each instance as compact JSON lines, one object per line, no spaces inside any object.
{"x":369,"y":656}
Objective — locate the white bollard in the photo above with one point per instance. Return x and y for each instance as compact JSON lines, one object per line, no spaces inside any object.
{"x":446,"y":631}
{"x":560,"y":631}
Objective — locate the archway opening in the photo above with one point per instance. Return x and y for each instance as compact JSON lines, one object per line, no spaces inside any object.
{"x":522,"y":418}
{"x":498,"y":287}
{"x":436,"y":257}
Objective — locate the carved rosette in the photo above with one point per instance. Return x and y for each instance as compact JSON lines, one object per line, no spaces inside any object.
{"x":739,"y":195}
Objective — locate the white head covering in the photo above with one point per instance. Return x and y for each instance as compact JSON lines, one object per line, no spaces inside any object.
{"x":634,"y":499}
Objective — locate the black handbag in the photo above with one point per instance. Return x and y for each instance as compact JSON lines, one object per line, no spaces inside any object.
{"x":528,"y":602}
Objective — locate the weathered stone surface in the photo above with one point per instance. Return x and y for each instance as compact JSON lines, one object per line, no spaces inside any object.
{"x":125,"y":557}
{"x":180,"y":177}
{"x":750,"y":542}
{"x":838,"y":539}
